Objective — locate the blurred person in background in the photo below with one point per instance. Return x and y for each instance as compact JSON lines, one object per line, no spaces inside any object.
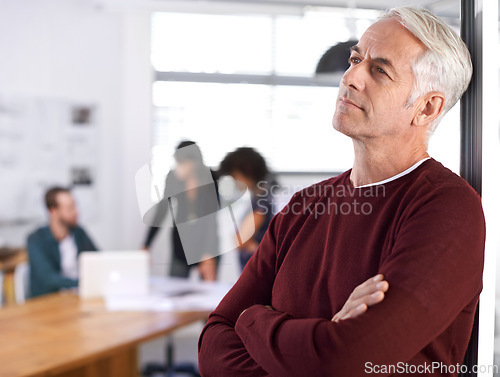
{"x":247,"y":166}
{"x":53,"y":249}
{"x":189,"y":196}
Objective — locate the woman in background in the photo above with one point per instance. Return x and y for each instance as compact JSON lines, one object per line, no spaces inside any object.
{"x":191,"y":192}
{"x":249,"y":167}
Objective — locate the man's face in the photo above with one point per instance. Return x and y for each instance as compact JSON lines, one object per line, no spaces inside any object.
{"x":66,"y":211}
{"x":374,"y":90}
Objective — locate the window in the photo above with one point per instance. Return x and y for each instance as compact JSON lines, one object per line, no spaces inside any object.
{"x":227,"y":81}
{"x":288,"y":121}
{"x":211,"y":43}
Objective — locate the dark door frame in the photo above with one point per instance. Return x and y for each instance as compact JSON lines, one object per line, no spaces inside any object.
{"x":471,"y":133}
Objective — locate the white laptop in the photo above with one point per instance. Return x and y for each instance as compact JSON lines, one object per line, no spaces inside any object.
{"x":113,"y":273}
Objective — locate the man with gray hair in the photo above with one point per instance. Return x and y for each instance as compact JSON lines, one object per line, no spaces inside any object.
{"x":379,"y":269}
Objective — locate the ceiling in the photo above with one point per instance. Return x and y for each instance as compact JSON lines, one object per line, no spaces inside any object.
{"x":447,"y":9}
{"x":444,"y":8}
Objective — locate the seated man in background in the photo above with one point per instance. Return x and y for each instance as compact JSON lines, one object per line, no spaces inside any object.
{"x":399,"y":221}
{"x":53,"y":249}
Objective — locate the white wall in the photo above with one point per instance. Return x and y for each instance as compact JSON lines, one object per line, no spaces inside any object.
{"x":76,"y":51}
{"x":73,"y":51}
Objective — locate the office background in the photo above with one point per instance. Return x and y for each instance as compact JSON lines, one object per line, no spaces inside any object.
{"x":114,"y":85}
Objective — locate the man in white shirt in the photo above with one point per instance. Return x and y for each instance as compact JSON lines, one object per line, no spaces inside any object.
{"x":53,"y":249}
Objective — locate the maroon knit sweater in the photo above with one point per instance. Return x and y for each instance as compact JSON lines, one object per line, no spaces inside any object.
{"x":424,"y":231}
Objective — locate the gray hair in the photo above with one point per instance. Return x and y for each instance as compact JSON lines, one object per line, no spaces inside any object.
{"x":445,"y":66}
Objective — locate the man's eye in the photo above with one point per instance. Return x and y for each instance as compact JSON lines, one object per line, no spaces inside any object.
{"x":380,"y":70}
{"x":354,"y":60}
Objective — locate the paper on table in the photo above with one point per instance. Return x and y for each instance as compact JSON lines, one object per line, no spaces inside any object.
{"x":195,"y":299}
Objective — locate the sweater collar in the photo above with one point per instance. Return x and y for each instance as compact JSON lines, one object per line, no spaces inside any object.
{"x":399,"y":175}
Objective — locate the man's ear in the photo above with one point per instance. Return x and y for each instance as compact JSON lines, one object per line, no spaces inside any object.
{"x":429,"y":109}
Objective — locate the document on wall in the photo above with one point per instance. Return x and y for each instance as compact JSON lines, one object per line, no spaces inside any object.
{"x":46,"y":142}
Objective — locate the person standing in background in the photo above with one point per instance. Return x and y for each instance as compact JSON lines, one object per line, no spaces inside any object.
{"x":189,"y":197}
{"x":246,"y":165}
{"x":53,"y":249}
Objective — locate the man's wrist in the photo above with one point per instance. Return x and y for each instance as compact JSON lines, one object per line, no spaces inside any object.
{"x":242,"y":313}
{"x":254,"y":317}
{"x":247,"y":319}
{"x":269,"y":307}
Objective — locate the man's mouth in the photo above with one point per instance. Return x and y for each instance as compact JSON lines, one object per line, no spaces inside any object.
{"x":348,"y":102}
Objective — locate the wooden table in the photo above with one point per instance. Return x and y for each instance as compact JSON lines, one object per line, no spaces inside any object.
{"x":61,"y":335}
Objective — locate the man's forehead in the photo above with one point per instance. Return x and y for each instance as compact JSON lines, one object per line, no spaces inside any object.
{"x":64,"y":197}
{"x":385,"y":27}
{"x":389,"y":39}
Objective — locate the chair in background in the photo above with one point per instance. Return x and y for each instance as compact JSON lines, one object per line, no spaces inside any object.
{"x":170,"y":368}
{"x":21,"y":282}
{"x":10,"y":258}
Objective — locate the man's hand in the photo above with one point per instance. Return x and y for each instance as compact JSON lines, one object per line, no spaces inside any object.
{"x":369,"y":293}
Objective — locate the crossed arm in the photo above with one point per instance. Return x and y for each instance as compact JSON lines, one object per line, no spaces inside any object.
{"x":434,"y":273}
{"x":368,"y":293}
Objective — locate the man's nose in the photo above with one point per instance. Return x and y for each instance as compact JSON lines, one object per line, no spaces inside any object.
{"x":355,"y":77}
